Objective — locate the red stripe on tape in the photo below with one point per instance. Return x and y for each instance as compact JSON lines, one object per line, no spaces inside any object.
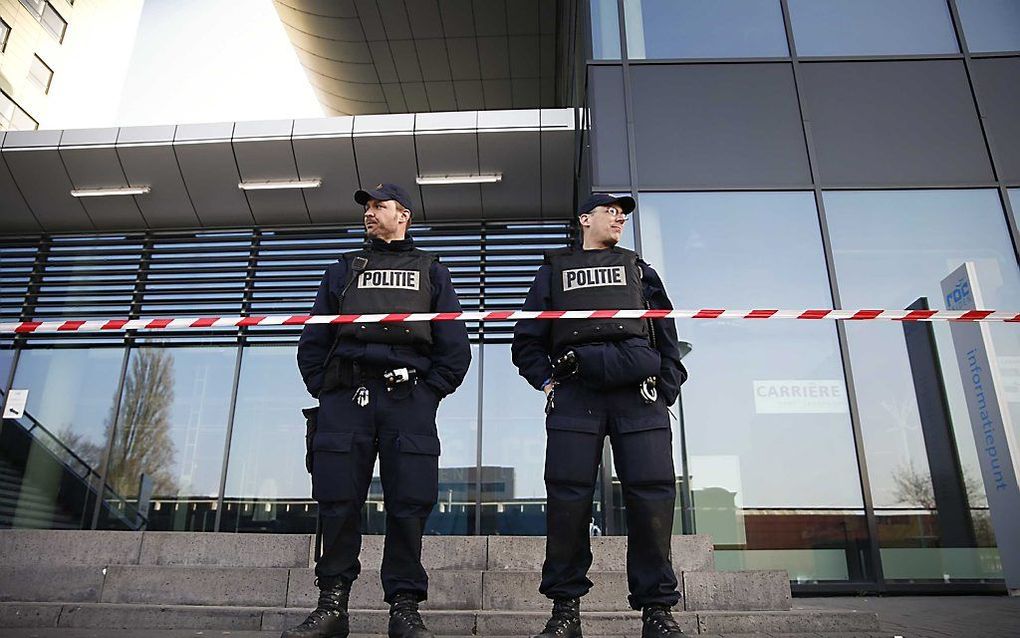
{"x":395,"y":316}
{"x":203,"y":322}
{"x":866,"y":314}
{"x":603,"y":314}
{"x":499,"y":314}
{"x":447,"y":316}
{"x":707,"y":314}
{"x":551,"y":314}
{"x":658,"y":313}
{"x":70,"y":325}
{"x":158,"y":323}
{"x":28,"y":326}
{"x":344,"y":319}
{"x":114,"y":324}
{"x":296,"y":320}
{"x":974,"y":315}
{"x":760,"y":314}
{"x":1014,"y":319}
{"x":814,"y":314}
{"x":918,"y":315}
{"x":250,"y":321}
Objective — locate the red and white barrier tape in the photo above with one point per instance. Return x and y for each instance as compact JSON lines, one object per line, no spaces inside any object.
{"x":181,"y":323}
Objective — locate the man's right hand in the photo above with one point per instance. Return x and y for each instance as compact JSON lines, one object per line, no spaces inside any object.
{"x":549,"y":387}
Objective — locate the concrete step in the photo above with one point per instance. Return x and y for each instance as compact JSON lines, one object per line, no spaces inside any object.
{"x":294,"y":587}
{"x":453,"y":622}
{"x":512,"y":553}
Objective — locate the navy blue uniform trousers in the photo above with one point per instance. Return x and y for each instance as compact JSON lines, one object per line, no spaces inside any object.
{"x":399,"y":427}
{"x":640,"y":436}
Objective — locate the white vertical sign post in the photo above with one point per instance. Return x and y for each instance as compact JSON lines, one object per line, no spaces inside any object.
{"x":997,"y":449}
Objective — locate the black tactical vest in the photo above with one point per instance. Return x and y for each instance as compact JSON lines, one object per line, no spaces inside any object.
{"x":595,"y":280}
{"x":391,"y":282}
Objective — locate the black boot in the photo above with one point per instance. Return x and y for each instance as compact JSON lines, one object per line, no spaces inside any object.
{"x":657,"y":622}
{"x":330,"y":618}
{"x":565,"y":621}
{"x":405,"y":621}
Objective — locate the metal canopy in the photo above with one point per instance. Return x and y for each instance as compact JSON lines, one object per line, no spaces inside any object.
{"x":193,"y":171}
{"x":394,"y":56}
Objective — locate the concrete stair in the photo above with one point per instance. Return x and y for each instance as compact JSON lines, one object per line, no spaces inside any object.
{"x":478,"y":585}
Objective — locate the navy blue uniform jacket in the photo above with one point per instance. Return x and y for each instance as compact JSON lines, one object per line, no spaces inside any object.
{"x":442,"y":369}
{"x":530,"y":349}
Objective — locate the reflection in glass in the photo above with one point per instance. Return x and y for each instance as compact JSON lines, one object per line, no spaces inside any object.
{"x":513,"y":449}
{"x":990,"y":25}
{"x":457,"y":421}
{"x":872,"y":27}
{"x":6,"y":361}
{"x":772,"y":469}
{"x":891,"y":248}
{"x":268,"y":488}
{"x":704,"y":29}
{"x":56,"y":449}
{"x":605,"y":30}
{"x":167,"y":448}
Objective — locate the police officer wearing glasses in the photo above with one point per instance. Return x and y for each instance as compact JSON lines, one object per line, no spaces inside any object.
{"x":379,"y":386}
{"x":602,"y":377}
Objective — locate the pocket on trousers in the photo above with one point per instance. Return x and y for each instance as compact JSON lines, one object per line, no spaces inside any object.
{"x":332,"y":466}
{"x":572,"y":449}
{"x":643,"y":450}
{"x":418,"y":470}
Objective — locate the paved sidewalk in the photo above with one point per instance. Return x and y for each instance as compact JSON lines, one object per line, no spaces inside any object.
{"x":933,"y":616}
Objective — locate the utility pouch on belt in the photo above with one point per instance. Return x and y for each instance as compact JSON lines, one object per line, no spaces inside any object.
{"x":311,"y":424}
{"x":340,"y":373}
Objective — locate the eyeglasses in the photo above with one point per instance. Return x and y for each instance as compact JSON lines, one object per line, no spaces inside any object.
{"x":613,"y":212}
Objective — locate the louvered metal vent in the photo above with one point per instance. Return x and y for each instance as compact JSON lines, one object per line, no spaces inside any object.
{"x":257,"y":271}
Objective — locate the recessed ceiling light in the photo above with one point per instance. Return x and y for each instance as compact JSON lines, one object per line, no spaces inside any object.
{"x":109,"y":192}
{"x":425,"y":180}
{"x":282,"y":184}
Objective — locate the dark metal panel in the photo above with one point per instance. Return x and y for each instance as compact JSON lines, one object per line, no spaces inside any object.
{"x":415,"y":96}
{"x":447,"y":144}
{"x":384,"y":147}
{"x":263,"y":151}
{"x":458,"y":21}
{"x":497,"y":94}
{"x":494,"y":57}
{"x":17,"y":217}
{"x":405,"y":56}
{"x":557,"y":163}
{"x":490,"y":17}
{"x":524,"y":56}
{"x":435,"y":64}
{"x":895,"y":122}
{"x":90,"y":157}
{"x":207,"y":163}
{"x":608,"y":127}
{"x":424,"y":18}
{"x":508,"y":143}
{"x":36,"y":167}
{"x":324,"y":148}
{"x":997,"y":84}
{"x":469,"y":95}
{"x":522,"y":17}
{"x":441,"y":96}
{"x":147,"y":156}
{"x":463,"y":58}
{"x":718,"y":125}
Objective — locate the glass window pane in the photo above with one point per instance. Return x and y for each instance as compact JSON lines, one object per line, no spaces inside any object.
{"x":457,"y":421}
{"x":513,"y":449}
{"x":704,"y":29}
{"x":890,"y":248}
{"x":785,"y":396}
{"x":872,"y":27}
{"x":5,"y":31}
{"x":40,"y":74}
{"x":990,"y":25}
{"x":6,"y":360}
{"x":605,"y":30}
{"x":62,"y":438}
{"x":268,"y":488}
{"x":170,"y":432}
{"x":53,"y":23}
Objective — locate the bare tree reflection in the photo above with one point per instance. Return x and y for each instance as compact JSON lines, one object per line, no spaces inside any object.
{"x":141,"y":440}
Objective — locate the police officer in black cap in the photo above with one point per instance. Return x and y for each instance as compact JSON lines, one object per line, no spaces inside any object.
{"x":601,"y":377}
{"x":379,"y":386}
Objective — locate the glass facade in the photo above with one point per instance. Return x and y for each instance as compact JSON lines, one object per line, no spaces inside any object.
{"x":704,"y":29}
{"x":872,"y":27}
{"x":990,"y":25}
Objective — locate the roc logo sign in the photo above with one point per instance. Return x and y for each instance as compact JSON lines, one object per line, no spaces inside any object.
{"x":391,"y":279}
{"x":594,"y":277}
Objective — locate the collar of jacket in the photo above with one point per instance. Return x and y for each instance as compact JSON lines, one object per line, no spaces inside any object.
{"x":397,"y":245}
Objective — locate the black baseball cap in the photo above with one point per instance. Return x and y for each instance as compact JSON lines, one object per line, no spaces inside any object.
{"x":626,"y":202}
{"x":383,"y":192}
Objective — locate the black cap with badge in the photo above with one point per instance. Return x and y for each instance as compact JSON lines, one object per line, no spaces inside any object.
{"x":383,"y":192}
{"x":626,"y":202}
